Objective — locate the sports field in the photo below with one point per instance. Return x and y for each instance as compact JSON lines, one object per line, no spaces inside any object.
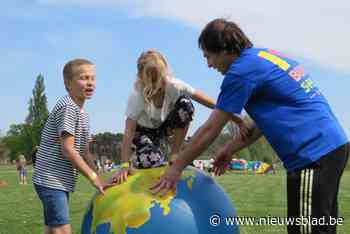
{"x":253,"y":195}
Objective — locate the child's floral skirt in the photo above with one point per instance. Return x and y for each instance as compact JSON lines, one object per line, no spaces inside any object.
{"x":147,"y":141}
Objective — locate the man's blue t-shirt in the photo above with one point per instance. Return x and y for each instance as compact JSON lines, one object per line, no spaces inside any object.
{"x":281,"y":98}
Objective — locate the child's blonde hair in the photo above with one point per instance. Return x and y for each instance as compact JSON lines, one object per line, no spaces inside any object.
{"x":152,"y":73}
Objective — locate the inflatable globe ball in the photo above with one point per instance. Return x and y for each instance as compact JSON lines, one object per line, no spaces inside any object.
{"x":199,"y":206}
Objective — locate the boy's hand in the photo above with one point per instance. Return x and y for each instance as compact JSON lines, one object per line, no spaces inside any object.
{"x":107,"y":185}
{"x":99,"y":185}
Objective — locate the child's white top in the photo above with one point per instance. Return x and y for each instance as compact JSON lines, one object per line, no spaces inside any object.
{"x":147,"y":115}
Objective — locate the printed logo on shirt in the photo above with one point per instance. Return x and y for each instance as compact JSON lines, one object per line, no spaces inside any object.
{"x":279,"y":54}
{"x":297,"y":73}
{"x":307,"y":85}
{"x":275,"y":60}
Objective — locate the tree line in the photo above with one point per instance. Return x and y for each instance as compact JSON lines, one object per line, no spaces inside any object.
{"x":22,"y":138}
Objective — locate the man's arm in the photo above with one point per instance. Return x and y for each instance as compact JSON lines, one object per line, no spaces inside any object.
{"x":239,"y":143}
{"x":224,"y":156}
{"x":203,"y":137}
{"x":203,"y":99}
{"x":201,"y":140}
{"x":178,"y":139}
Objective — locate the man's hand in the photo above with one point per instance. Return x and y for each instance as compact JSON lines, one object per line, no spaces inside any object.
{"x":167,"y":182}
{"x":221,"y":162}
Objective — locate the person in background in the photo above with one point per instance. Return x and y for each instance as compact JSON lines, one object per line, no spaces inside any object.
{"x":21,"y":164}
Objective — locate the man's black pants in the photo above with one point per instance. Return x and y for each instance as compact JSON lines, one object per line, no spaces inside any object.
{"x":312,"y":194}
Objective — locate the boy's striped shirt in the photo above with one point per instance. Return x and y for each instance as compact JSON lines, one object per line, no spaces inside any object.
{"x":52,"y":168}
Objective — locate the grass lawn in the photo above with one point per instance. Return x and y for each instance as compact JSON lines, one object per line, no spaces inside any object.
{"x":253,"y":195}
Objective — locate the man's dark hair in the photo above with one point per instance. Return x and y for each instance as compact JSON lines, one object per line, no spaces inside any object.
{"x":222,"y":35}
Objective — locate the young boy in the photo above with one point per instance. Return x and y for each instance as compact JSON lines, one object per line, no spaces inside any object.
{"x":64,"y":148}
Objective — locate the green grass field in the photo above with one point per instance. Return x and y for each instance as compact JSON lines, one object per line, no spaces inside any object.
{"x":253,"y":195}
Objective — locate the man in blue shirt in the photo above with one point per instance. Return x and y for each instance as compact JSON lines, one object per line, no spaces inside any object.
{"x":287,"y":108}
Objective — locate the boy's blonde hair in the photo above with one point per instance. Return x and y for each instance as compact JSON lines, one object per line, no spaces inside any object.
{"x":152,"y":73}
{"x":70,"y":67}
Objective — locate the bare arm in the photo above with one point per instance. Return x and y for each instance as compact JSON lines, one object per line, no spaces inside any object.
{"x":129,"y":133}
{"x":203,"y":137}
{"x":201,"y":98}
{"x":238,"y":143}
{"x":224,"y":156}
{"x":68,"y":150}
{"x":72,"y":155}
{"x":179,"y":136}
{"x":201,"y":140}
